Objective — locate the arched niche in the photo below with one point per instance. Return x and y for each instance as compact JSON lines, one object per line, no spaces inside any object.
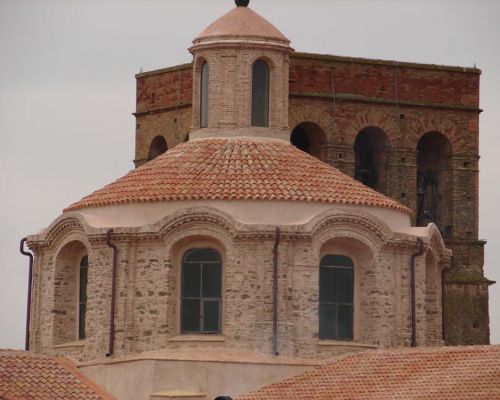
{"x":308,"y":137}
{"x":363,"y":265}
{"x":158,"y":146}
{"x":69,"y":320}
{"x":435,"y":182}
{"x":371,"y":157}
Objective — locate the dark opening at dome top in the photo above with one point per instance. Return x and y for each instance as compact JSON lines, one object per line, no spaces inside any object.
{"x":242,"y":3}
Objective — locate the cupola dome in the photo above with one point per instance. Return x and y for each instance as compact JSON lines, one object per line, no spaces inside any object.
{"x":242,"y":22}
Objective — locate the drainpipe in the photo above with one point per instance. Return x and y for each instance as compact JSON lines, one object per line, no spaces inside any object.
{"x":113,"y":292}
{"x":419,"y":252}
{"x":443,"y":299}
{"x":275,"y":291}
{"x":30,"y":283}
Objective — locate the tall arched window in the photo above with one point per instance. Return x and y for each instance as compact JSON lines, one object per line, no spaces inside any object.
{"x":435,"y":182}
{"x":371,"y":158}
{"x":204,"y":96}
{"x":336,"y":297}
{"x":82,"y":309}
{"x":201,"y":287}
{"x":260,"y":94}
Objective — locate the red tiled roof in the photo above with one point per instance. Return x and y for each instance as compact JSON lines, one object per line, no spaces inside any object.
{"x":242,"y":21}
{"x":448,"y":373}
{"x":236,"y":169}
{"x":28,"y":376}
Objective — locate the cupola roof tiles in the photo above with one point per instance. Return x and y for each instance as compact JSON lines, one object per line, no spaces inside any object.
{"x":271,"y":170}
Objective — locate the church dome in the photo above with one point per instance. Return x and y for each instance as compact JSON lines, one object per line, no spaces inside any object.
{"x":242,"y":22}
{"x":236,"y":169}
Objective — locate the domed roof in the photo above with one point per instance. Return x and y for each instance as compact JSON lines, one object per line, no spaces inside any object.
{"x":236,"y":169}
{"x":242,"y":22}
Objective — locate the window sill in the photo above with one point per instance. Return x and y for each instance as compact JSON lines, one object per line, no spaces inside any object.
{"x":197,"y":338}
{"x":342,"y":343}
{"x":77,"y":343}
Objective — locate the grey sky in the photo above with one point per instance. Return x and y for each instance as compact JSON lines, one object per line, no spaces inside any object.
{"x":67,"y":91}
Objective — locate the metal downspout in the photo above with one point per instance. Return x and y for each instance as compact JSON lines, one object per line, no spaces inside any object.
{"x":419,"y":252}
{"x":113,"y":292}
{"x":275,"y":291}
{"x":443,"y":299}
{"x":30,"y":284}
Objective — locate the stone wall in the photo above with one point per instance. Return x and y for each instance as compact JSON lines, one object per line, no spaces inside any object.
{"x":405,"y":101}
{"x":147,"y":298}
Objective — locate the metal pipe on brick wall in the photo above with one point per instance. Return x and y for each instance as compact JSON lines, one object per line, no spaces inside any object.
{"x":30,"y":284}
{"x":275,"y":291}
{"x":419,"y":252}
{"x":113,"y":295}
{"x":443,"y":299}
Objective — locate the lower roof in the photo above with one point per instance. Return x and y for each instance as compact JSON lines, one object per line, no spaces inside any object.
{"x":29,"y":376}
{"x":447,"y":373}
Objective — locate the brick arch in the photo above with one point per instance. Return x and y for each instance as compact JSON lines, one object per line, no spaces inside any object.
{"x":378,"y":119}
{"x":299,"y":115}
{"x":460,"y":142}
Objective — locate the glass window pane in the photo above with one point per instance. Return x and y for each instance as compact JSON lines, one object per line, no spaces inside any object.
{"x":336,"y":261}
{"x":81,"y":321}
{"x":211,"y":280}
{"x":190,"y":318}
{"x":327,"y":287}
{"x":202,"y":255}
{"x":345,"y":285}
{"x":83,"y":283}
{"x":327,"y":321}
{"x":204,"y":96}
{"x":191,"y":277}
{"x":211,"y":316}
{"x":260,"y":94}
{"x":345,"y":322}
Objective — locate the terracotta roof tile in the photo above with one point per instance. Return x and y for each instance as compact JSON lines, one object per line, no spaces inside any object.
{"x":448,"y":373}
{"x":236,"y":169}
{"x":28,"y":376}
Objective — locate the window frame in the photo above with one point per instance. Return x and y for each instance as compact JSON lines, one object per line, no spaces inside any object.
{"x":257,"y":120}
{"x":337,"y":304}
{"x":202,"y":299}
{"x":204,"y":93}
{"x":82,"y":301}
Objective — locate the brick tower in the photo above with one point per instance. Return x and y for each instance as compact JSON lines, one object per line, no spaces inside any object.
{"x":410,"y":131}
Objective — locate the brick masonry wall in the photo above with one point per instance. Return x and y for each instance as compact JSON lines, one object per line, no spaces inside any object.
{"x":147,"y":293}
{"x":405,"y":101}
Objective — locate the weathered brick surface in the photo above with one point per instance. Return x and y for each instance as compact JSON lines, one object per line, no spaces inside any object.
{"x":404,"y":100}
{"x":148,"y":283}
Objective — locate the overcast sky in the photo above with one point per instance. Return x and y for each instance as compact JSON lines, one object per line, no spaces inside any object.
{"x":67,"y":93}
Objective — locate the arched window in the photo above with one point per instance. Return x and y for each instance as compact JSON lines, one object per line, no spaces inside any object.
{"x":70,"y":293}
{"x":308,"y":137}
{"x":201,"y":286}
{"x":82,"y":295}
{"x":336,"y":297}
{"x":158,"y":147}
{"x":435,"y":182}
{"x":260,"y":94}
{"x":371,"y":159}
{"x":204,"y":96}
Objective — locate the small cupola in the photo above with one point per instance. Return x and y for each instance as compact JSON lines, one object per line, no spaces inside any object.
{"x":240,"y":77}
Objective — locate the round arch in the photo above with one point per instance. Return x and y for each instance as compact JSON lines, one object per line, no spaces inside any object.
{"x":158,"y":146}
{"x":371,"y":155}
{"x":435,"y":181}
{"x":308,"y":137}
